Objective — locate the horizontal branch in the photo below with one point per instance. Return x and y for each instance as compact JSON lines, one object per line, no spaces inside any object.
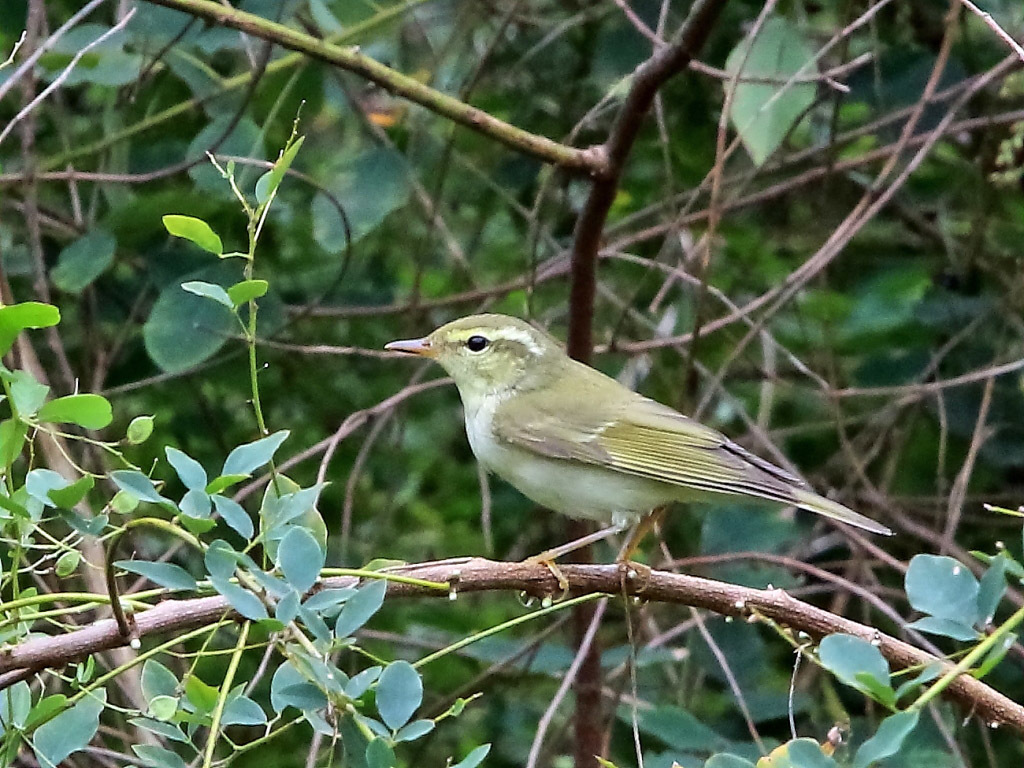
{"x":478,"y":575}
{"x":588,"y":161}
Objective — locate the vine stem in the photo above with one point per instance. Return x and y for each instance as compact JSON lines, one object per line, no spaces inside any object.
{"x":968,"y":661}
{"x":225,"y":688}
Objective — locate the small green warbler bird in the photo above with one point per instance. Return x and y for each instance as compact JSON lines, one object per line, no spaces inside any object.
{"x":578,"y":442}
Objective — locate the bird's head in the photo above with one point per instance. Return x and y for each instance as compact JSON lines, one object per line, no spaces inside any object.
{"x":489,"y":354}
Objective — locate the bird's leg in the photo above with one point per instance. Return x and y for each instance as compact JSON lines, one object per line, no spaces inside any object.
{"x":548,"y":556}
{"x":639,"y":532}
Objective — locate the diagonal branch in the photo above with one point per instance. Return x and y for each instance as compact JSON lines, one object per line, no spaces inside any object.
{"x":480,"y":575}
{"x":648,"y":78}
{"x":587,"y":161}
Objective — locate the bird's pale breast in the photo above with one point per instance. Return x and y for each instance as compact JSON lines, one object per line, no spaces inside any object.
{"x":569,"y":487}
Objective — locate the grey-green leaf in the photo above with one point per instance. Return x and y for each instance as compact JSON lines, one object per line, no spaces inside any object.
{"x":399,"y":693}
{"x":300,"y":558}
{"x":360,"y":607}
{"x":847,"y":656}
{"x":474,"y":758}
{"x":234,"y":514}
{"x":69,"y":731}
{"x":242,"y":600}
{"x":764,"y":112}
{"x":189,"y":470}
{"x":165,"y":574}
{"x":138,"y":485}
{"x":942,"y":587}
{"x":157,"y":680}
{"x":244,"y":459}
{"x":887,"y":740}
{"x":209,"y":291}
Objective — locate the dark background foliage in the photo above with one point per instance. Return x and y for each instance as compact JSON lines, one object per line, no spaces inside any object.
{"x":395,"y":221}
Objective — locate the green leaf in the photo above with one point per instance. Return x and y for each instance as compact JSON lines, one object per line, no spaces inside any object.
{"x":244,"y":459}
{"x":203,"y":696}
{"x":208,"y":291}
{"x":360,"y":607}
{"x":300,"y":558}
{"x":16,"y":318}
{"x":233,"y":514}
{"x":68,"y":496}
{"x":83,"y":260}
{"x":124,"y":503}
{"x":163,"y":707}
{"x":183,"y":329}
{"x":474,"y":758}
{"x":995,"y":655}
{"x":764,"y":112}
{"x":223,"y":482}
{"x":942,"y":587}
{"x":45,"y":709}
{"x":190,"y":471}
{"x":372,"y":186}
{"x":139,"y":430}
{"x":158,"y":757}
{"x":944,"y":627}
{"x":380,"y":755}
{"x":847,"y":657}
{"x":69,"y":731}
{"x":67,"y":563}
{"x":12,"y":440}
{"x":399,"y":693}
{"x":139,"y":486}
{"x":165,"y":574}
{"x":27,"y":394}
{"x":991,"y":589}
{"x":888,"y":740}
{"x":89,"y":411}
{"x":929,"y":673}
{"x":271,"y":180}
{"x":239,"y":293}
{"x":196,"y":230}
{"x":157,"y":680}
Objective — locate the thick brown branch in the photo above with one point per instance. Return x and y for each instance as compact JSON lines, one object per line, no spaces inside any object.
{"x":479,"y":575}
{"x":647,"y":80}
{"x":349,"y":58}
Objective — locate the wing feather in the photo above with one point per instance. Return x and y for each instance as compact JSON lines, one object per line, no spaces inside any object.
{"x":639,"y":436}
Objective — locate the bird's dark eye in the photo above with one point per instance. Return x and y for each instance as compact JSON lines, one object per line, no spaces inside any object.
{"x":477,"y":343}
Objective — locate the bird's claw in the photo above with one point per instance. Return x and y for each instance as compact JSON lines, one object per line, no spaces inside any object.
{"x":633,"y":576}
{"x":554,"y":570}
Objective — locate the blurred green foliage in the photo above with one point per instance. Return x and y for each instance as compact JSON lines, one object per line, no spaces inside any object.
{"x":394,"y":221}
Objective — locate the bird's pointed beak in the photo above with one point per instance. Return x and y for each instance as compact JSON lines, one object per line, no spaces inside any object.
{"x":419,"y":347}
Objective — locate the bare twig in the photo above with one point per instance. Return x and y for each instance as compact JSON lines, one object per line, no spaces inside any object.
{"x":65,"y":73}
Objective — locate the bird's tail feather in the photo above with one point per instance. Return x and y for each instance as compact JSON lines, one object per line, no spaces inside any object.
{"x":812,"y":502}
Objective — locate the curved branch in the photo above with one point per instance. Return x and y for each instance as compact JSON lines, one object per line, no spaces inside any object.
{"x":349,"y":58}
{"x":480,"y":575}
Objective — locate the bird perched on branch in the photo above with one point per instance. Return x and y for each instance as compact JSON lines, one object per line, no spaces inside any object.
{"x":576,"y":441}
